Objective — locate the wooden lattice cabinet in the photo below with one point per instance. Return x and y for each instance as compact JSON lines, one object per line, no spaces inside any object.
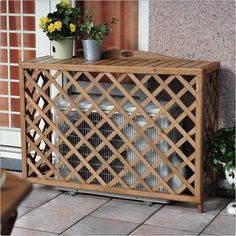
{"x":130,"y":125}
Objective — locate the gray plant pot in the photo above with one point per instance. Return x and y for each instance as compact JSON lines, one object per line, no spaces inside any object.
{"x":92,"y":50}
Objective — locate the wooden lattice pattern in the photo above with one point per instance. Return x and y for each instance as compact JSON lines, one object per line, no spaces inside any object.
{"x":211,"y":101}
{"x":144,"y":142}
{"x":211,"y":119}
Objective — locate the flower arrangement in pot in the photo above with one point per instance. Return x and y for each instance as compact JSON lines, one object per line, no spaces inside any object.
{"x":93,"y":35}
{"x":221,"y":147}
{"x":61,"y":27}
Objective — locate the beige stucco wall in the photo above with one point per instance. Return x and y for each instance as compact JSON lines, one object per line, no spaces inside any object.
{"x":201,"y":30}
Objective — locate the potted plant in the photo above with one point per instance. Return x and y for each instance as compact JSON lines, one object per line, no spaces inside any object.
{"x":61,"y":27}
{"x":93,"y":35}
{"x":221,"y":153}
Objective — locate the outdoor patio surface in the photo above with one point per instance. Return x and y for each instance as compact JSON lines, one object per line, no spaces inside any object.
{"x":49,"y":211}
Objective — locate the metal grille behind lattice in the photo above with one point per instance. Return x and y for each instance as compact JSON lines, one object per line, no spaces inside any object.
{"x":117,"y":142}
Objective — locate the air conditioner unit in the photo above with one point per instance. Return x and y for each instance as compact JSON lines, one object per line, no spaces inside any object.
{"x":139,"y":143}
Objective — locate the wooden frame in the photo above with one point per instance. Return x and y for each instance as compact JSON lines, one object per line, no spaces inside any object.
{"x":175,"y":91}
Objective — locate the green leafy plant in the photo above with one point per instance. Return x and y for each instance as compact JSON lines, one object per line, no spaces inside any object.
{"x":95,"y":32}
{"x":221,"y":148}
{"x":62,"y":23}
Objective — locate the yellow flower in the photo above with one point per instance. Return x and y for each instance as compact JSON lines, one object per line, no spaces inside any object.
{"x":57,"y":25}
{"x":72,"y":27}
{"x":65,"y":3}
{"x":44,"y":20}
{"x":51,"y":28}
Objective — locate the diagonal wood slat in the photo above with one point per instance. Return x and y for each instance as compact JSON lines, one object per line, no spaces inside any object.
{"x":86,"y":164}
{"x":124,"y":138}
{"x":81,"y":113}
{"x":54,"y":149}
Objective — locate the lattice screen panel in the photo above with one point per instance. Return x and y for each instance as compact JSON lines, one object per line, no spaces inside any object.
{"x":142,"y":141}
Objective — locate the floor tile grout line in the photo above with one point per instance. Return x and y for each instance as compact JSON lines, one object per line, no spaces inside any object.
{"x":207,"y":225}
{"x":215,"y":215}
{"x":25,"y":213}
{"x":33,"y":208}
{"x":127,"y":220}
{"x":99,"y":217}
{"x":178,"y":228}
{"x":146,"y":219}
{"x":170,"y":206}
{"x":106,"y":218}
{"x":38,"y":230}
{"x":214,"y":218}
{"x":85,"y":216}
{"x":163,"y":227}
{"x":139,"y":224}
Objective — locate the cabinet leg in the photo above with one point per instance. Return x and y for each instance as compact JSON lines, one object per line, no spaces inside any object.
{"x":200,"y":208}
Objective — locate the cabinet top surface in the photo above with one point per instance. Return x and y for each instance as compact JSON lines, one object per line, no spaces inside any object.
{"x":134,"y":65}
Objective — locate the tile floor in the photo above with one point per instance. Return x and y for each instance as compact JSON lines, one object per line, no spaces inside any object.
{"x":48,"y":211}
